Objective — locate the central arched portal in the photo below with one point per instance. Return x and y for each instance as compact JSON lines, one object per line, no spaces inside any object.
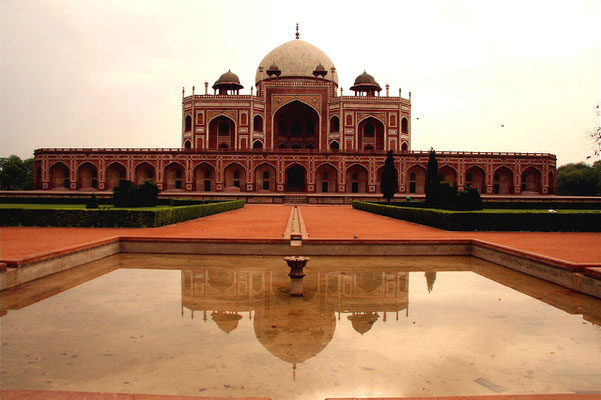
{"x":296,"y":125}
{"x":295,"y":179}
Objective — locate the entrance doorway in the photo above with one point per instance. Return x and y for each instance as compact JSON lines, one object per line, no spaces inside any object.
{"x":295,"y":179}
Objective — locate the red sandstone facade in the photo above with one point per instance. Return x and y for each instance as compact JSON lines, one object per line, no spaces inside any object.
{"x":296,"y":134}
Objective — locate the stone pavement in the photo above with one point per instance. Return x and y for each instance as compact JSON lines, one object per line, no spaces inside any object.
{"x":322,"y":222}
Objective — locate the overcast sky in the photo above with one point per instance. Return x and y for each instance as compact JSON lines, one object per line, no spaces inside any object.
{"x":110,"y":73}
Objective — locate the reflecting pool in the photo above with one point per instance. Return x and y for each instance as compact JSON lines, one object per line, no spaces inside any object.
{"x":366,"y":326}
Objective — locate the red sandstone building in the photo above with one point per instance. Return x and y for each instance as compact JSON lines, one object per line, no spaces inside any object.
{"x":295,"y":134}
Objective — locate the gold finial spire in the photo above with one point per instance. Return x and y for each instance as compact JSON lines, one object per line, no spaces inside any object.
{"x":297,"y":35}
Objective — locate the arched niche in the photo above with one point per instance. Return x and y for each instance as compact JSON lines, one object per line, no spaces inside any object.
{"x":221,"y":133}
{"x":87,"y":176}
{"x":356,"y":179}
{"x":258,"y":123}
{"x":59,"y":176}
{"x":416,"y":178}
{"x":448,"y":174}
{"x":531,"y":180}
{"x":371,"y":134}
{"x":326,"y":178}
{"x":174,"y":176}
{"x":503,"y":181}
{"x":235,"y":178}
{"x":475,"y":178}
{"x":144,"y":172}
{"x":204,"y":178}
{"x":114,"y":173}
{"x":296,"y":123}
{"x":265,"y":178}
{"x":296,"y":178}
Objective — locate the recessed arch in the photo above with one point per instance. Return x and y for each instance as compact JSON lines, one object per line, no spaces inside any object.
{"x":475,"y":178}
{"x":356,"y":179}
{"x":59,"y":175}
{"x":258,"y":123}
{"x":371,"y":134}
{"x":144,"y":171}
{"x":187,"y":144}
{"x":204,"y":177}
{"x":174,"y":176}
{"x":334,"y":145}
{"x":326,"y":178}
{"x":416,"y":178}
{"x":257,"y":144}
{"x":235,"y":177}
{"x":334,"y":124}
{"x":221,"y":132}
{"x":265,"y":178}
{"x":531,"y":180}
{"x":296,"y":123}
{"x":296,"y":178}
{"x":87,"y":176}
{"x":188,"y":123}
{"x":404,"y":125}
{"x":114,"y":173}
{"x":446,"y":173}
{"x":503,"y":180}
{"x":404,"y":147}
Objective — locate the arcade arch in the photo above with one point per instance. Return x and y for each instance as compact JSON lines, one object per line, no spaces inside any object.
{"x":448,"y":174}
{"x":204,"y":178}
{"x":475,"y":178}
{"x":356,"y":179}
{"x":59,"y":176}
{"x":326,"y":177}
{"x":416,"y":177}
{"x":265,"y":178}
{"x":144,"y":172}
{"x":114,"y":173}
{"x":296,"y":178}
{"x":531,"y":180}
{"x":174,"y":176}
{"x":503,"y":181}
{"x":87,"y":176}
{"x":235,"y":178}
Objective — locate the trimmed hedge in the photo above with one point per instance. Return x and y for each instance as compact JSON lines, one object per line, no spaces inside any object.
{"x":101,"y":200}
{"x":486,"y":221}
{"x":115,"y":217}
{"x":515,"y":205}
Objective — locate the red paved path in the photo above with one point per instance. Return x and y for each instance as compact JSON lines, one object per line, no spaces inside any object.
{"x":322,"y":222}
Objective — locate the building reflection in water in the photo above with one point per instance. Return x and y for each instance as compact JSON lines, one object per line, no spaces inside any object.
{"x":295,"y":329}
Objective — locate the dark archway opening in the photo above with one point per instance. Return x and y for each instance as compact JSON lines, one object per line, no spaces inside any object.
{"x":296,"y":124}
{"x":295,"y":179}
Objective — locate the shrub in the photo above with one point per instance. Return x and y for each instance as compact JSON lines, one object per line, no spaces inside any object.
{"x":447,"y":196}
{"x":129,"y":195}
{"x":469,"y":200}
{"x":93,"y":202}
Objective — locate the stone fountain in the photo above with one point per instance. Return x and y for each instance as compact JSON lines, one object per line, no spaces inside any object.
{"x":296,"y":264}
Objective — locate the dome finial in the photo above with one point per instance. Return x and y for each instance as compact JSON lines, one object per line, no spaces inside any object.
{"x":297,"y":35}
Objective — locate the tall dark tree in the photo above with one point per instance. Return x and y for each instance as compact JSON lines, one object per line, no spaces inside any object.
{"x":16,"y":174}
{"x":579,"y":179}
{"x":390,"y":177}
{"x":432,"y":180}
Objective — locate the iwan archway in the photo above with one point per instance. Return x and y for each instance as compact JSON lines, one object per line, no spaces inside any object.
{"x":296,"y":125}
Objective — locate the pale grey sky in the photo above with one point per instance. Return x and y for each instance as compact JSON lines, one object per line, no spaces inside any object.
{"x":109,"y":73}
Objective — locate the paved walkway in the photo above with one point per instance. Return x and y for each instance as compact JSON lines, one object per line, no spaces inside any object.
{"x":322,"y":222}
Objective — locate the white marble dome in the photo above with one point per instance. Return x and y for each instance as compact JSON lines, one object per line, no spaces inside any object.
{"x":296,"y":58}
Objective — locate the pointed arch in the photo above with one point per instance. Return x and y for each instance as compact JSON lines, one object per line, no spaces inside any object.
{"x":371,"y":134}
{"x":204,"y":177}
{"x":235,"y":177}
{"x":265,"y":177}
{"x":187,"y":144}
{"x":296,"y":178}
{"x":404,"y":125}
{"x":257,"y":144}
{"x":87,"y":176}
{"x":59,"y":175}
{"x":174,"y":176}
{"x":475,"y":178}
{"x":416,"y":177}
{"x":448,"y":173}
{"x":221,"y":132}
{"x":144,"y":171}
{"x":356,"y":179}
{"x":296,"y":123}
{"x":326,"y":178}
{"x":258,"y":123}
{"x":531,"y":180}
{"x":188,"y":123}
{"x":334,"y":124}
{"x":114,"y":173}
{"x":503,"y":180}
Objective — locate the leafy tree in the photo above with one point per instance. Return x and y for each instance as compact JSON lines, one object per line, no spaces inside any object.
{"x":579,"y":179}
{"x":16,"y":174}
{"x":390,"y":178}
{"x":432,"y":180}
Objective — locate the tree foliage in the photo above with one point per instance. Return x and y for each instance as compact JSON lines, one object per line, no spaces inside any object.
{"x":390,"y":177}
{"x":432,"y":180}
{"x":579,"y":179}
{"x":16,"y":174}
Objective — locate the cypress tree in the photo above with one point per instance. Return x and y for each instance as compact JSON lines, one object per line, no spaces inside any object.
{"x":390,"y":177}
{"x":432,"y":180}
